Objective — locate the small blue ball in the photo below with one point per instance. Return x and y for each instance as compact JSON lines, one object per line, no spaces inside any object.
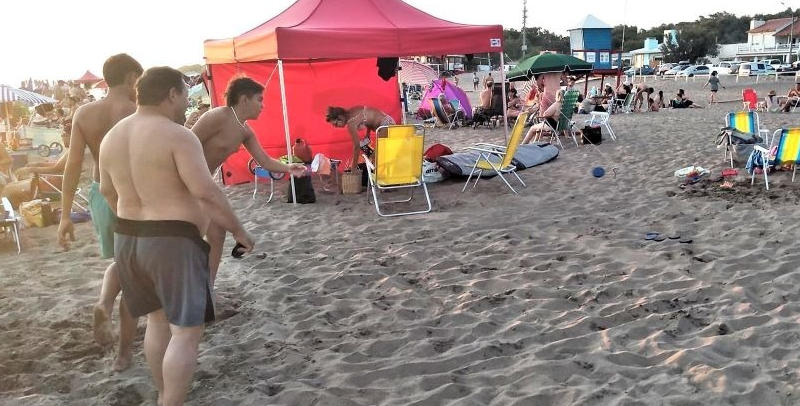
{"x":598,"y":172}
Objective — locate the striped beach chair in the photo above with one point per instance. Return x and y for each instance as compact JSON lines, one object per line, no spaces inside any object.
{"x":787,"y":152}
{"x":746,"y":122}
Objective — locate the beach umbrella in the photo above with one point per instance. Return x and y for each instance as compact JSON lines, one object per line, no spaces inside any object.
{"x":198,"y":91}
{"x":548,"y":63}
{"x":415,"y":73}
{"x":10,"y":94}
{"x":88,"y":77}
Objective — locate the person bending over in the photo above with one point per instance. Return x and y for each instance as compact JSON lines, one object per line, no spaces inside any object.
{"x":356,"y":118}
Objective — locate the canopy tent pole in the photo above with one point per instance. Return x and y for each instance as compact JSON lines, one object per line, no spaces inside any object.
{"x":286,"y":127}
{"x":503,"y":91}
{"x":403,"y":98}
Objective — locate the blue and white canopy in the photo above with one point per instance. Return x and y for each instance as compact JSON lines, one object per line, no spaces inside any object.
{"x":12,"y":94}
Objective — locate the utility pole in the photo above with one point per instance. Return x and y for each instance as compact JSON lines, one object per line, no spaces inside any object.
{"x":524,"y":24}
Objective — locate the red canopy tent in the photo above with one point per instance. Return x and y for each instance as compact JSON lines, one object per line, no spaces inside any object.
{"x":325,"y":54}
{"x":88,"y":77}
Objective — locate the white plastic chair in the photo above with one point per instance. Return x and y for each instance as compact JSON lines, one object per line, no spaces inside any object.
{"x":11,"y":220}
{"x":602,"y":119}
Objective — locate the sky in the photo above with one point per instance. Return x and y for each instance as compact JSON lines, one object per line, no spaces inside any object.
{"x":61,"y":39}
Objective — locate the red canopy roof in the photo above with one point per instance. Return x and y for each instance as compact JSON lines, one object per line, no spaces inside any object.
{"x":349,"y":29}
{"x":88,"y":77}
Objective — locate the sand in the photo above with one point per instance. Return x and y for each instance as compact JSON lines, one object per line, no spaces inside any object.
{"x":552,"y":297}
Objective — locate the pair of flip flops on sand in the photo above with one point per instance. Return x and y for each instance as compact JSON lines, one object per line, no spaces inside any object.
{"x":652,"y":236}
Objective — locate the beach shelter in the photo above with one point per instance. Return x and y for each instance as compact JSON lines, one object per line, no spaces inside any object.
{"x":415,"y":73}
{"x":88,"y":77}
{"x":451,"y":92}
{"x":325,"y":53}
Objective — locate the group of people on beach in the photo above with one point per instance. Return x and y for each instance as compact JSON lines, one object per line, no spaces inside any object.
{"x":157,"y":210}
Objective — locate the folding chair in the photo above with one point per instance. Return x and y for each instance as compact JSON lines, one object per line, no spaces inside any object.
{"x":749,"y":99}
{"x":787,"y":153}
{"x":80,"y":201}
{"x":627,"y":104}
{"x":497,"y":158}
{"x":565,"y":123}
{"x":11,"y":221}
{"x":398,"y":165}
{"x":439,"y":112}
{"x":602,"y":119}
{"x":745,"y":122}
{"x":263,"y":174}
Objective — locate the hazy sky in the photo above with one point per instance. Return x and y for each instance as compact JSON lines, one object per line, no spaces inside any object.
{"x":62,"y":38}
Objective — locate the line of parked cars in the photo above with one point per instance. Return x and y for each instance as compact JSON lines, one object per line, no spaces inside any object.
{"x":685,"y":69}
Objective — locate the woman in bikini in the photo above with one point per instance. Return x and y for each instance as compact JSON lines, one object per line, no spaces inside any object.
{"x":356,"y":118}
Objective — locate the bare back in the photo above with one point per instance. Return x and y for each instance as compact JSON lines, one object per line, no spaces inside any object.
{"x":150,"y":161}
{"x":93,"y":120}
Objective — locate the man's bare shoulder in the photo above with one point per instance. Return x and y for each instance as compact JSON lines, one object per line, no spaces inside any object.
{"x":212,"y":122}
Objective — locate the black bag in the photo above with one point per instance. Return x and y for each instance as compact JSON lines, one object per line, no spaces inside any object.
{"x":592,"y":135}
{"x":303,"y":189}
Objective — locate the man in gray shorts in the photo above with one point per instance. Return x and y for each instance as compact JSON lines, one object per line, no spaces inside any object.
{"x":154,"y":175}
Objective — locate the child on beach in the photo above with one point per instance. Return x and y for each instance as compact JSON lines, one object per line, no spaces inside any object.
{"x":713,"y":80}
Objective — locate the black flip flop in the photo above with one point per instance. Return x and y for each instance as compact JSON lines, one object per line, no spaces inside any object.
{"x":650,"y":236}
{"x":660,"y":237}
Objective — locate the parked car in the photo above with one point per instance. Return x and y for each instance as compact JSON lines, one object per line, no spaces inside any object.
{"x":754,"y":68}
{"x":664,"y":67}
{"x":694,"y":70}
{"x":775,"y":63}
{"x":644,"y":70}
{"x":724,"y":68}
{"x":677,"y":68}
{"x":787,"y":67}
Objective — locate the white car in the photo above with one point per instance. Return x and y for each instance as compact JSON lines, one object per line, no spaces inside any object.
{"x":694,"y":71}
{"x":724,"y":68}
{"x":675,"y":70}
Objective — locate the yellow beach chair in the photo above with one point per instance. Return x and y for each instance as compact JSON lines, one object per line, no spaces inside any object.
{"x":497,"y":158}
{"x":787,"y":153}
{"x":398,"y":165}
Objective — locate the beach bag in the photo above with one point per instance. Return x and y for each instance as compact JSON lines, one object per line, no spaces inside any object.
{"x":303,"y":189}
{"x":431,"y":172}
{"x":592,"y":135}
{"x":302,"y":151}
{"x":435,"y":151}
{"x":36,"y":213}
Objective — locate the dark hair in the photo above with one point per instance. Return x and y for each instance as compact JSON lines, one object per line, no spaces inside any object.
{"x":117,"y":67}
{"x":680,"y":91}
{"x":334,"y":113}
{"x":512,"y":90}
{"x":713,"y":73}
{"x":154,"y":85}
{"x":649,"y":90}
{"x":241,"y":86}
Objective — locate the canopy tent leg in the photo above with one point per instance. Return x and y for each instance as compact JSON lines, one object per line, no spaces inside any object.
{"x":503,"y":91}
{"x":286,"y":127}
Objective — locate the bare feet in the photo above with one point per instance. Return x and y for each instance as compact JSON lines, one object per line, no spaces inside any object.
{"x":102,"y":327}
{"x":122,"y":362}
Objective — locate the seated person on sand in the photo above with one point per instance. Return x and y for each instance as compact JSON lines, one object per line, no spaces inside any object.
{"x":514,"y":106}
{"x":792,"y":98}
{"x":550,"y":116}
{"x":657,"y":103}
{"x":682,"y":102}
{"x":356,"y":118}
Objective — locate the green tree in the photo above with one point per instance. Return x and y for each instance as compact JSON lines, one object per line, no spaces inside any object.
{"x":692,"y":44}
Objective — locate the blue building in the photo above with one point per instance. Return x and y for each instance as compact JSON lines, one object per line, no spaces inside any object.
{"x":591,"y":41}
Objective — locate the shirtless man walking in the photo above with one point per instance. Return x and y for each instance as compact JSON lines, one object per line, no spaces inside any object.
{"x":222,"y":131}
{"x":153,"y":173}
{"x":90,"y":124}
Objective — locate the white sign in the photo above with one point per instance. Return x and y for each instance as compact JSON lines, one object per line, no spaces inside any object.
{"x":590,"y":57}
{"x":578,"y":55}
{"x":494,"y":42}
{"x":605,"y":57}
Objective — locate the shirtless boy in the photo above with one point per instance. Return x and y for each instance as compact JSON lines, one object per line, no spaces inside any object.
{"x":154,"y":175}
{"x":90,"y":124}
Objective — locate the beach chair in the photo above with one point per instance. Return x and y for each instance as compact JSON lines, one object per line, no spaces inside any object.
{"x":398,"y":165}
{"x":627,"y":105}
{"x":786,"y":153}
{"x":602,"y":119}
{"x":260,"y":175}
{"x":498,"y":158}
{"x":743,"y":121}
{"x":749,"y":99}
{"x":45,"y":181}
{"x":11,"y":222}
{"x":565,"y":125}
{"x":441,"y":115}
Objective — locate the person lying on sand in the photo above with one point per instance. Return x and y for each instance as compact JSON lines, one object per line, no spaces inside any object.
{"x":682,"y":102}
{"x":356,"y":118}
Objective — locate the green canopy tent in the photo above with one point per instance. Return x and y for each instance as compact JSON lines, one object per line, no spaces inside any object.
{"x":549,"y":63}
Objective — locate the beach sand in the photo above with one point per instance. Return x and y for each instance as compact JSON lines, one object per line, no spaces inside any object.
{"x":552,"y":297}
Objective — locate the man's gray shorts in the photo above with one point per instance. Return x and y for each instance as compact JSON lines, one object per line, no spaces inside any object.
{"x":164,"y":264}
